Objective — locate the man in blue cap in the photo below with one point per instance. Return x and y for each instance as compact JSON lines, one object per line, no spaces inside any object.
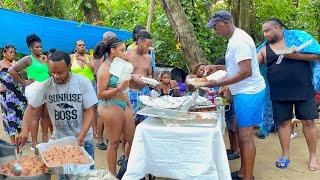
{"x":246,"y":84}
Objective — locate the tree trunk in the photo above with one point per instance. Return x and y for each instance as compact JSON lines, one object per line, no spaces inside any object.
{"x":184,"y":32}
{"x":150,"y":16}
{"x":235,"y":8}
{"x":91,"y":13}
{"x":242,"y":13}
{"x":21,"y":5}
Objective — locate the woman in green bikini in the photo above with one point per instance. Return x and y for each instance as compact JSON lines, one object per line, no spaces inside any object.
{"x":113,"y":106}
{"x":37,"y":71}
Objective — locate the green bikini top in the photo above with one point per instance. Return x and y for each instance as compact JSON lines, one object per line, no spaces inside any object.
{"x":113,"y":81}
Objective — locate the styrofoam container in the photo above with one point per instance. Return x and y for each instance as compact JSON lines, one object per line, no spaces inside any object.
{"x":218,"y":75}
{"x":68,"y":168}
{"x":149,"y":81}
{"x":121,"y":69}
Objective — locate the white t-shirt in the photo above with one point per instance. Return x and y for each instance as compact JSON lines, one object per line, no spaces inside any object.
{"x":241,"y":47}
{"x":66,"y":104}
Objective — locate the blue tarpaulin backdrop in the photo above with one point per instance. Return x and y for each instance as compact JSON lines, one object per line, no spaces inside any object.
{"x":54,"y":33}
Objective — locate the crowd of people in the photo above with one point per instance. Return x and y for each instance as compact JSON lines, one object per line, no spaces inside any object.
{"x":77,"y":95}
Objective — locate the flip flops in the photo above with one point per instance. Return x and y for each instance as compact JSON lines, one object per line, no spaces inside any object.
{"x":233,"y":155}
{"x":102,"y":146}
{"x":282,"y":162}
{"x":121,"y":160}
{"x":235,"y":175}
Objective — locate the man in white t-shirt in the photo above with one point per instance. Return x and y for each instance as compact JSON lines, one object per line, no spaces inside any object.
{"x":245,"y":83}
{"x":70,"y":100}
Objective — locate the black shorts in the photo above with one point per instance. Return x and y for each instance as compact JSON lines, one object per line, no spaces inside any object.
{"x":304,"y":110}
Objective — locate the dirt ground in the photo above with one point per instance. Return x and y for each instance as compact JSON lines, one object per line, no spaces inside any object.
{"x":268,"y":150}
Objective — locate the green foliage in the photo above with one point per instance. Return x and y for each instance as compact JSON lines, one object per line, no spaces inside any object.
{"x":308,"y":17}
{"x":305,"y":16}
{"x":49,"y":8}
{"x":9,"y":4}
{"x":129,"y":13}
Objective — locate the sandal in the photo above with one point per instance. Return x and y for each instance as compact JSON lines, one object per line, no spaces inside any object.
{"x":121,"y":160}
{"x":261,"y":135}
{"x":282,"y":162}
{"x":102,"y":146}
{"x":235,"y":175}
{"x":233,"y":155}
{"x":229,"y":151}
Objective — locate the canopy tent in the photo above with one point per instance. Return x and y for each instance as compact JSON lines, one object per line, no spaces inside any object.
{"x":54,"y":33}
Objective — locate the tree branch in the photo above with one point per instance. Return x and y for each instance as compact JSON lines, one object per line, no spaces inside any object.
{"x":151,"y":10}
{"x":21,"y":5}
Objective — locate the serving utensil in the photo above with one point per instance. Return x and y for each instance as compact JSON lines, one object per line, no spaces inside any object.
{"x":16,"y":167}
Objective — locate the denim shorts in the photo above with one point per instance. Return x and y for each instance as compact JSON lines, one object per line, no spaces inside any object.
{"x":89,"y":147}
{"x":249,"y":108}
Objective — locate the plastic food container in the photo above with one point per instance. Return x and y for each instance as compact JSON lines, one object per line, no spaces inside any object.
{"x":218,"y":75}
{"x":121,"y":69}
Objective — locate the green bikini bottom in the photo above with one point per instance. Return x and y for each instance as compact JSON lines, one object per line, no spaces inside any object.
{"x":115,"y":102}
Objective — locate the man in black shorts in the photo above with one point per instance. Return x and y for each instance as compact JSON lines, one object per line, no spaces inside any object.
{"x":291,"y":89}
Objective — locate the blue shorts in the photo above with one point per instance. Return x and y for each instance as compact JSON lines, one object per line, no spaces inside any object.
{"x":249,"y":108}
{"x":135,"y":101}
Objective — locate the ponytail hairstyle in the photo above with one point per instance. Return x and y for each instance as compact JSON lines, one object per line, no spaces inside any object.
{"x":278,"y":22}
{"x":32,"y":39}
{"x":103,"y":49}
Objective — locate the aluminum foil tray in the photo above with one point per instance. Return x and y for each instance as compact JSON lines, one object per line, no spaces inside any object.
{"x":68,"y":168}
{"x":181,"y":118}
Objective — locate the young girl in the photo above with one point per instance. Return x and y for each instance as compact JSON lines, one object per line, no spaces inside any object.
{"x":167,"y":86}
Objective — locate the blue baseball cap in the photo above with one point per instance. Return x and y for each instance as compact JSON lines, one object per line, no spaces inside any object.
{"x":218,"y":16}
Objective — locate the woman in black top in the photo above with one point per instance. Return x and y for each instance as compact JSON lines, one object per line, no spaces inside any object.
{"x":167,"y":85}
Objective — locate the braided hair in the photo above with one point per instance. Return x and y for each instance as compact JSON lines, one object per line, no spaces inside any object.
{"x":277,"y":21}
{"x":103,"y":49}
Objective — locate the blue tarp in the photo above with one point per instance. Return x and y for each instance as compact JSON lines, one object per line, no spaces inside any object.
{"x":54,"y":33}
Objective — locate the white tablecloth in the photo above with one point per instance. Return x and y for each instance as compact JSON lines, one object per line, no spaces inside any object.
{"x":178,"y":152}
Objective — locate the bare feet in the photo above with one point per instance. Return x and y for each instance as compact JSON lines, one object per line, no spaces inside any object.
{"x":313,"y":164}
